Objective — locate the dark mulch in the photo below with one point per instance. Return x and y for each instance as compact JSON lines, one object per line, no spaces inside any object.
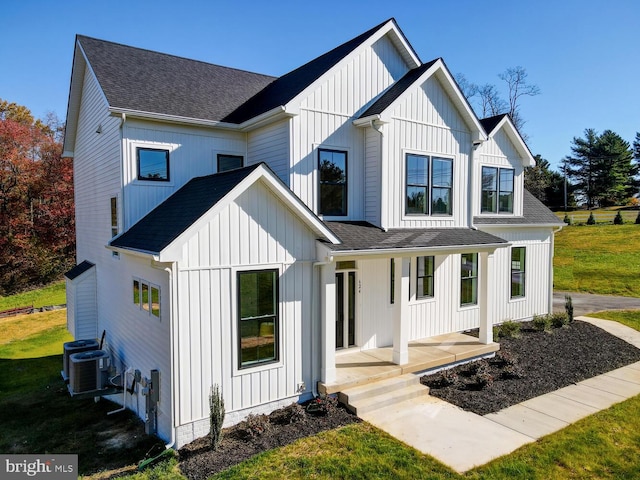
{"x":261,"y":433}
{"x":543,"y":361}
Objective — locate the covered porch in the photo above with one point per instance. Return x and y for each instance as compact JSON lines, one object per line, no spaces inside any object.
{"x":361,"y":367}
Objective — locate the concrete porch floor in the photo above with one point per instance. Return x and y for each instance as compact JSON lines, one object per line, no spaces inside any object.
{"x":361,"y":367}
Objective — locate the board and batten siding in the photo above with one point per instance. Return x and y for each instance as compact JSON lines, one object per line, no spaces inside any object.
{"x":499,"y":151}
{"x":538,"y":253}
{"x":192,"y":153}
{"x":82,"y":314}
{"x":271,"y":145}
{"x":372,"y":180}
{"x":424,"y":122}
{"x":326,"y":116}
{"x":256,"y":231}
{"x":373,"y":308}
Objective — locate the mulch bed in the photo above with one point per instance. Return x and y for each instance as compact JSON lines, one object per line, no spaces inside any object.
{"x":526,"y":367}
{"x":544,"y":361}
{"x":260,"y":433}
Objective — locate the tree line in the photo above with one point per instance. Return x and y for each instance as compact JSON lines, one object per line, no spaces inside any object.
{"x":37,"y":224}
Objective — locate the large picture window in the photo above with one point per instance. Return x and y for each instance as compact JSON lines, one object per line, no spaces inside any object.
{"x":469,"y":279}
{"x":429,"y":183}
{"x":257,"y":317}
{"x":332,"y":167}
{"x":153,"y":164}
{"x":518,"y":264}
{"x":424,"y":277}
{"x":497,"y":190}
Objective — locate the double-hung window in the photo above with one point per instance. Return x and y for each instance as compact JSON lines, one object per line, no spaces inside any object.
{"x":424,"y":277}
{"x":429,"y":184}
{"x":114,"y":216}
{"x":469,"y":279}
{"x":332,"y":168}
{"x":518,"y":265}
{"x":152,"y":164}
{"x":258,"y":319}
{"x":497,"y":190}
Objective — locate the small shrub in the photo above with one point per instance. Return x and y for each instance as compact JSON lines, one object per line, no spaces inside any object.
{"x":509,"y":329}
{"x":567,"y":219}
{"x":591,"y":220}
{"x":559,"y":320}
{"x":568,"y":307}
{"x":216,"y":416}
{"x":482,"y":377}
{"x":503,"y":358}
{"x":618,"y":220}
{"x":542,"y":323}
{"x":638,"y":219}
{"x":294,"y":413}
{"x":322,"y":405}
{"x":511,"y":371}
{"x":253,"y":426}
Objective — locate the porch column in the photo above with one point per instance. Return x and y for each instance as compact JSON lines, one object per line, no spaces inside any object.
{"x":328,"y":322}
{"x":401,"y":312}
{"x":485,"y":292}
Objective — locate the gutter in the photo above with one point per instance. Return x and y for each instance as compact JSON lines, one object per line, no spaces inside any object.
{"x":406,"y":252}
{"x":135,"y":252}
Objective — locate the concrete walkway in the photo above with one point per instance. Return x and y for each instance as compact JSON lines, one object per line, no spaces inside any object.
{"x":463,"y":440}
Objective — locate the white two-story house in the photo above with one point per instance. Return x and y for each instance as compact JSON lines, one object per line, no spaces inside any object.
{"x":244,"y":230}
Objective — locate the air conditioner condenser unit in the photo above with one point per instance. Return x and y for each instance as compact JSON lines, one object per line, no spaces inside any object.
{"x":88,"y":371}
{"x":77,"y":346}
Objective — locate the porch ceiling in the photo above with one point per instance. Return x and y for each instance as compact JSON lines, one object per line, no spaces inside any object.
{"x":362,"y":367}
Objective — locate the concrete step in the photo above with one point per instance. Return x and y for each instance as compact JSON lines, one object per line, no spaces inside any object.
{"x":361,"y":400}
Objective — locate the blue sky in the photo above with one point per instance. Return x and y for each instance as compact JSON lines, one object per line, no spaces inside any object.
{"x":583,"y":55}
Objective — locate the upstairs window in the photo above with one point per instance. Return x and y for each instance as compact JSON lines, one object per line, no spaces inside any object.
{"x":332,"y":168}
{"x":229,"y":162}
{"x":153,"y":164}
{"x":146,"y":297}
{"x":497,"y":190}
{"x":114,"y":216}
{"x":518,"y":262}
{"x":429,"y":184}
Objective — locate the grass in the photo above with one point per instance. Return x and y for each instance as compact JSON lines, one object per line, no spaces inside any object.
{"x":602,"y":259}
{"x":53,"y":294}
{"x":630,"y":318}
{"x":37,"y":415}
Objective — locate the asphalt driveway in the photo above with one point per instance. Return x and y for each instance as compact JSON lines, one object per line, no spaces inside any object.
{"x":584,"y":303}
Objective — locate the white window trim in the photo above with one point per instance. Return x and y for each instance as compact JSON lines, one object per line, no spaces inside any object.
{"x":237,"y":371}
{"x":233,"y":153}
{"x":469,"y":306}
{"x":147,"y":313}
{"x":403,"y":171}
{"x":516,"y":199}
{"x":316,"y":179}
{"x":133,"y":163}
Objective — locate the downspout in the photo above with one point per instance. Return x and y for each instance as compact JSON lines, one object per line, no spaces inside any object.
{"x":173,"y":296}
{"x":123,"y":119}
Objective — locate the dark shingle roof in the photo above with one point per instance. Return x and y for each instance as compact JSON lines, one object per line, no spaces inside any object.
{"x":365,"y":236}
{"x":396,"y":89}
{"x":137,"y":79}
{"x":172,"y":217}
{"x":491,"y":122}
{"x":534,"y":212}
{"x":79,"y":269}
{"x":288,"y":86}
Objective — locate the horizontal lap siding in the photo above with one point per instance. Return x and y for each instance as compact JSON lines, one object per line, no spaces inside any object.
{"x":193,"y":153}
{"x":270,"y":144}
{"x":425,"y":122}
{"x":256,"y":231}
{"x":326,"y":117}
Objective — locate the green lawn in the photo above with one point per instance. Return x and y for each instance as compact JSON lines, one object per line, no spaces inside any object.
{"x":630,"y":318}
{"x":603,"y":259}
{"x":53,"y":294}
{"x":601,"y":215}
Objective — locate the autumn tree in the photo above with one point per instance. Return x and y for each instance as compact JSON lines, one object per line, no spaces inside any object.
{"x":36,"y":201}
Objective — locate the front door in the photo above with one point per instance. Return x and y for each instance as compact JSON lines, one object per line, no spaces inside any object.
{"x":345,"y":309}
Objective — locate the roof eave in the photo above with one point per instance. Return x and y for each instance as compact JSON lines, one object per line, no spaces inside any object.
{"x":135,"y":252}
{"x":517,"y":140}
{"x":163,"y":117}
{"x":411,"y":251}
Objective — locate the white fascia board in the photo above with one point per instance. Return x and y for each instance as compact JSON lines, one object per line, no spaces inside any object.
{"x":497,"y":226}
{"x":412,"y":252}
{"x":293,"y":105}
{"x":162,"y":117}
{"x":173,"y":251}
{"x":265,"y":118}
{"x":134,"y":252}
{"x":517,"y":140}
{"x":76,"y":83}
